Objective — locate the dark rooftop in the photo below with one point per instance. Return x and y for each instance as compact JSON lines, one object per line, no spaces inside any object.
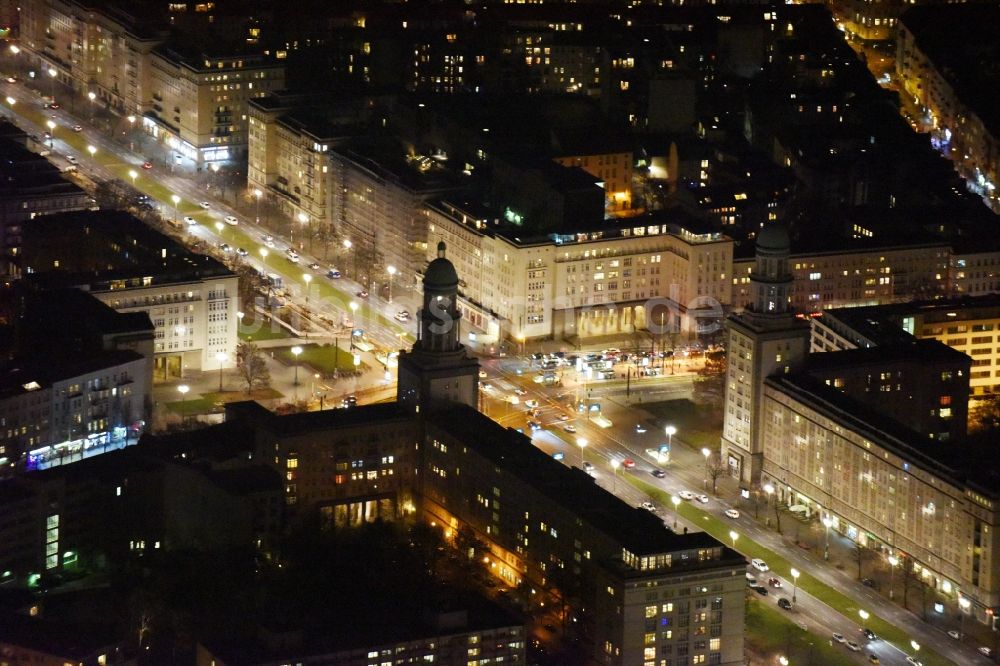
{"x":915,"y":351}
{"x":40,"y":372}
{"x":636,"y":529}
{"x":55,"y":638}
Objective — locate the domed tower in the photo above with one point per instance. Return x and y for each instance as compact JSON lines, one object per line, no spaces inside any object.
{"x":764,"y":340}
{"x":438,"y":370}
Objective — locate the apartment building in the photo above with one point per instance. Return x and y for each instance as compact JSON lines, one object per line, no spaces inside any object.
{"x":940,"y":57}
{"x":858,"y":274}
{"x":616,"y":279}
{"x":932,"y":505}
{"x":191,"y":299}
{"x":967,"y":325}
{"x":199,"y":101}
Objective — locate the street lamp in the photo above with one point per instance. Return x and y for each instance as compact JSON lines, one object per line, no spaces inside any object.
{"x":769,"y":489}
{"x":676,"y":501}
{"x":391,"y":270}
{"x":221,"y":358}
{"x":582,"y":443}
{"x":131,"y":128}
{"x":219,"y":226}
{"x":893,"y":561}
{"x":308,"y":279}
{"x":257,"y":193}
{"x":734,"y":535}
{"x":52,"y":131}
{"x":963,"y":606}
{"x":864,"y":615}
{"x":263,"y":255}
{"x":614,"y":471}
{"x":707,"y":453}
{"x":783,"y":660}
{"x":296,"y":350}
{"x":133,"y":175}
{"x":304,"y":220}
{"x":827,"y":523}
{"x":91,"y":96}
{"x":354,"y":310}
{"x":916,"y":648}
{"x":52,"y":79}
{"x":92,"y":150}
{"x":670,"y":431}
{"x":176,"y":199}
{"x":795,"y":583}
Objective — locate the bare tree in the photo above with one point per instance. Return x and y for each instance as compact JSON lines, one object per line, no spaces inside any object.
{"x":715,"y":467}
{"x":251,"y":366}
{"x":859,"y":554}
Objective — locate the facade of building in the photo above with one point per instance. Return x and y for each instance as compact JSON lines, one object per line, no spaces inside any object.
{"x":885,"y":486}
{"x":854,"y":277}
{"x":578,"y":285}
{"x":199,"y":104}
{"x":938,"y":52}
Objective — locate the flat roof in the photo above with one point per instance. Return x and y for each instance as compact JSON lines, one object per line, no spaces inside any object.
{"x":634,"y":528}
{"x":38,"y":372}
{"x":96,"y":248}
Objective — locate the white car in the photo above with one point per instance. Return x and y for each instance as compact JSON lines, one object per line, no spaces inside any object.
{"x":71,"y":159}
{"x":985,"y":650}
{"x":205,"y":205}
{"x":531,"y":404}
{"x":954,"y":634}
{"x":702,"y":498}
{"x":570,"y":428}
{"x":914,"y":661}
{"x":190,"y":220}
{"x":231,"y":220}
{"x":853,"y":647}
{"x":839,"y":638}
{"x":648,"y":506}
{"x":759,"y":564}
{"x":639,"y":428}
{"x":732,"y":513}
{"x":686,"y":495}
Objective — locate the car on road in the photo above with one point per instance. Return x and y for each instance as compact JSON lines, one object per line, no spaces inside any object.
{"x":985,"y":650}
{"x":517,"y":391}
{"x":292,"y":255}
{"x":570,"y":428}
{"x":839,"y":638}
{"x":589,"y":467}
{"x":534,"y":425}
{"x":759,"y":564}
{"x":531,"y":404}
{"x":751,"y":581}
{"x":231,"y":220}
{"x":334,"y":274}
{"x":362,"y":294}
{"x":732,"y":513}
{"x":954,"y":634}
{"x":190,"y":220}
{"x":269,"y":243}
{"x":686,"y":495}
{"x":873,"y":659}
{"x":225,"y":247}
{"x":659,"y":473}
{"x":205,"y":205}
{"x":77,"y":128}
{"x":853,"y":647}
{"x":482,"y":374}
{"x":702,"y":498}
{"x":71,"y":159}
{"x":774,"y":582}
{"x":869,"y":634}
{"x":648,"y":506}
{"x":402,"y":315}
{"x":52,"y":105}
{"x":914,"y":661}
{"x":240,"y":251}
{"x":562,"y":417}
{"x":761,"y":590}
{"x":11,"y":79}
{"x":784,"y":603}
{"x":314,"y":266}
{"x":147,"y":165}
{"x":628,"y":463}
{"x":868,"y":582}
{"x":639,"y":428}
{"x":558,"y":455}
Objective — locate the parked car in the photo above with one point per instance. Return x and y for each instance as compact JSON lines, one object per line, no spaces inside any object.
{"x":839,"y":638}
{"x":853,"y":647}
{"x":732,"y":513}
{"x":987,"y":651}
{"x":868,"y":582}
{"x":784,"y":603}
{"x":71,"y":159}
{"x":77,"y":128}
{"x":759,"y":564}
{"x":231,"y":220}
{"x":954,"y":634}
{"x":402,"y":315}
{"x":334,"y":274}
{"x":190,"y":220}
{"x":589,"y":466}
{"x":240,"y":251}
{"x":686,"y":495}
{"x":639,"y":428}
{"x":761,"y":590}
{"x":773,"y":582}
{"x":570,"y":428}
{"x":702,"y":498}
{"x":205,"y":205}
{"x":362,"y":294}
{"x":648,"y":506}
